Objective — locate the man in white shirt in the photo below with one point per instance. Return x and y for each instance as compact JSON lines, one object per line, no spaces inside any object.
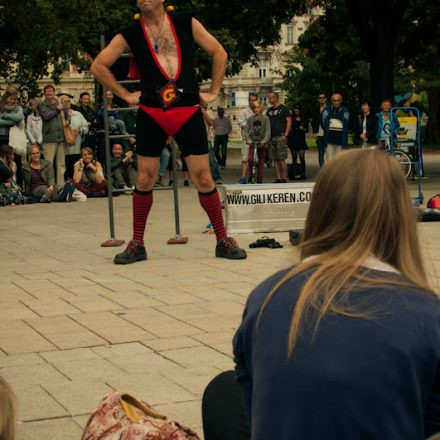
{"x":243,"y":116}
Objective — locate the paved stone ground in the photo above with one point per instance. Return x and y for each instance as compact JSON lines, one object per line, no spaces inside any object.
{"x":73,"y":326}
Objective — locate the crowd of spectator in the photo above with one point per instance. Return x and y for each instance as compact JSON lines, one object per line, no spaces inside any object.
{"x":268,"y":135}
{"x":331,"y":126}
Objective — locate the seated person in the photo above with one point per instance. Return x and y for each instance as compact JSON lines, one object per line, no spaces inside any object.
{"x":123,"y":166}
{"x":88,"y":176}
{"x":39,"y":179}
{"x":346,"y":343}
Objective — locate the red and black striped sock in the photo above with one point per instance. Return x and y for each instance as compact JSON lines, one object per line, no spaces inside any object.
{"x":211,"y":204}
{"x":142,"y":201}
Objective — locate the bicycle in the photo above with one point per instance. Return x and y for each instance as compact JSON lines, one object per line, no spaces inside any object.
{"x":403,"y":158}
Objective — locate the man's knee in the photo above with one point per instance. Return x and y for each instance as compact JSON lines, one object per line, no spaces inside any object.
{"x":145,"y":181}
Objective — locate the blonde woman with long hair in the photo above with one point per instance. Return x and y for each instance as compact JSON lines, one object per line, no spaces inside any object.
{"x":7,"y":412}
{"x":346,"y":344}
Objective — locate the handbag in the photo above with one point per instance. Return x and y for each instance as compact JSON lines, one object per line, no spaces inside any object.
{"x":122,"y":416}
{"x":69,"y":133}
{"x":17,"y":138}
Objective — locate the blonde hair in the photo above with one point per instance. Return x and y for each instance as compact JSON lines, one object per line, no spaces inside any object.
{"x":360,"y":207}
{"x":7,"y":412}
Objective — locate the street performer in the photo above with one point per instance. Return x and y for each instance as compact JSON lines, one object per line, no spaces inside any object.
{"x":162,"y":46}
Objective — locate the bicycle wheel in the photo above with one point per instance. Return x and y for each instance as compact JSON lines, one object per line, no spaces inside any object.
{"x":404,"y":160}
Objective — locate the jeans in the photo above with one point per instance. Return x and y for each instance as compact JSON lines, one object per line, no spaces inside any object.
{"x":221,"y":144}
{"x":321,"y":149}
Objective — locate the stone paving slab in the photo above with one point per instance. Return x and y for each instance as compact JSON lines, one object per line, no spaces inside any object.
{"x":73,"y":326}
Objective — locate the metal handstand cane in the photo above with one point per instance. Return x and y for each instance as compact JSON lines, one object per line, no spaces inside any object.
{"x":177,"y":239}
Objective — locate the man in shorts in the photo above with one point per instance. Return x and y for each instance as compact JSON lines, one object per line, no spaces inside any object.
{"x":280,"y":123}
{"x":243,"y":116}
{"x":169,"y":102}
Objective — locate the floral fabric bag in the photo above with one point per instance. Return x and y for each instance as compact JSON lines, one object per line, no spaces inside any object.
{"x":121,"y":416}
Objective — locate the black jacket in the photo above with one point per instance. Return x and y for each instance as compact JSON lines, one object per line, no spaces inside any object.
{"x":372,"y":125}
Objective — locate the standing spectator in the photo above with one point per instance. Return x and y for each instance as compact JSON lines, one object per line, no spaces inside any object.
{"x":88,"y":140}
{"x":116,"y":126}
{"x":257,"y":134}
{"x":222,"y":128}
{"x":317,"y":128}
{"x":39,"y":179}
{"x":80,"y":127}
{"x":243,"y":116}
{"x":388,"y":125}
{"x":123,"y":167}
{"x":88,"y":176}
{"x":164,"y":160}
{"x":54,"y":147}
{"x":280,"y":123}
{"x":12,"y":115}
{"x":130,"y":125}
{"x":335,"y":120}
{"x":365,"y":127}
{"x":213,"y":164}
{"x":297,"y":142}
{"x":34,"y":123}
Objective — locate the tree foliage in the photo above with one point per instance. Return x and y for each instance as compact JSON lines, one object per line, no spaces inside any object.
{"x":42,"y":33}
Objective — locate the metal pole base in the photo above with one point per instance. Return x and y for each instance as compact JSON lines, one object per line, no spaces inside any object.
{"x":178,"y":239}
{"x":112,"y":243}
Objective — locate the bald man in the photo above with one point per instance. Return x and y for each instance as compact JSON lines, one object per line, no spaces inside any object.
{"x":335,"y":120}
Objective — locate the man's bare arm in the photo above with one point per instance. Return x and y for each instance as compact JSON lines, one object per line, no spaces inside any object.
{"x":100,"y":69}
{"x":219,"y":58}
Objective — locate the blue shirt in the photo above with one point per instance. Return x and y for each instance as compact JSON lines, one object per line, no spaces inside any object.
{"x":358,"y":378}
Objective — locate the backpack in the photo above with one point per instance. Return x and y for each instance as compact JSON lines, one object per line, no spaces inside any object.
{"x":120,"y":416}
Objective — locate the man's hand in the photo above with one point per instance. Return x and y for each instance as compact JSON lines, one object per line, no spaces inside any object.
{"x":207,"y":97}
{"x":132,"y":98}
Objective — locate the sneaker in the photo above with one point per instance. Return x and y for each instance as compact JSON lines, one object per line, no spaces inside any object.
{"x":283,"y":181}
{"x":70,"y":191}
{"x":277,"y":181}
{"x":219,"y":182}
{"x":62,"y":194}
{"x":185,"y":183}
{"x":243,"y":180}
{"x":228,"y":248}
{"x":133,"y":252}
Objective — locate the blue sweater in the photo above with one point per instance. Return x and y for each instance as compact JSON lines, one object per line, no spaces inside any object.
{"x":358,"y":379}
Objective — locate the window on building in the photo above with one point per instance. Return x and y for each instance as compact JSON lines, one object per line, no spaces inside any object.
{"x":262,"y":69}
{"x":233,"y":100}
{"x":289,"y":37}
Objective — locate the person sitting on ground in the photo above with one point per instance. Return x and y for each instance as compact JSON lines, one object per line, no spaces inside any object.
{"x":257,"y":133}
{"x":9,"y":161}
{"x":123,"y":166}
{"x":10,"y":192}
{"x":7,"y":412}
{"x":88,"y":176}
{"x":39,"y":179}
{"x":346,"y":343}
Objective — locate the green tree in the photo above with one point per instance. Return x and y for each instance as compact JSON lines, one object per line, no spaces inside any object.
{"x":39,"y":33}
